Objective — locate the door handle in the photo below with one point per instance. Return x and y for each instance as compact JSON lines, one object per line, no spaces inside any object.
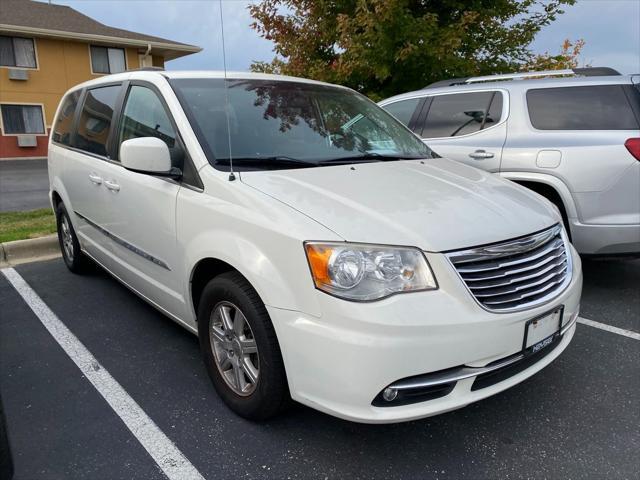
{"x":113,"y":186}
{"x":95,"y":178}
{"x":480,"y":154}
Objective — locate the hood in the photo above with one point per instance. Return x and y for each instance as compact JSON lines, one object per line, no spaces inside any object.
{"x":436,"y":205}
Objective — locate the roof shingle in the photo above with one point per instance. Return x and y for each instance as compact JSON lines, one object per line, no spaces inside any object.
{"x":32,"y":14}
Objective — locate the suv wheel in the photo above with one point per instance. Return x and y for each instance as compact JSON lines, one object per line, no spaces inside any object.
{"x":73,"y":257}
{"x":240,"y":348}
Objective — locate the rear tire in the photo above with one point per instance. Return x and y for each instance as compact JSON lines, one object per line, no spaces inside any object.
{"x":74,"y":259}
{"x":240,"y":348}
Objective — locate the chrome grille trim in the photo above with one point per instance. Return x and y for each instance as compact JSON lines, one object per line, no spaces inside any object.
{"x":554,"y":250}
{"x":518,"y":274}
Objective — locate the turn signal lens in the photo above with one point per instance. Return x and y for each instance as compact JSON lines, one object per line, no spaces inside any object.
{"x":367,"y":272}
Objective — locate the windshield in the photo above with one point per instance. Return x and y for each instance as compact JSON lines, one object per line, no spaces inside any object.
{"x":283,"y":124}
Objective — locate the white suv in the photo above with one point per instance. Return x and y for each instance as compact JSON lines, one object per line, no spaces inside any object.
{"x":574,"y":140}
{"x":312,"y":242}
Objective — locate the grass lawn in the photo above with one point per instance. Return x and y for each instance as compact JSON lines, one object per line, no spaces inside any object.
{"x":21,"y":225}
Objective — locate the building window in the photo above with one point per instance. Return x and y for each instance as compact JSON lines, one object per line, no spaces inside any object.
{"x":107,"y":60}
{"x":17,"y":52}
{"x":22,"y":119}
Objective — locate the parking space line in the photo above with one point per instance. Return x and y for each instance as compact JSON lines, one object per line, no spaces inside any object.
{"x":168,"y":457}
{"x":610,"y":328}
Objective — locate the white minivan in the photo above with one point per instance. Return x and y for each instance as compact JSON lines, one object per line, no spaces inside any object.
{"x":316,"y":246}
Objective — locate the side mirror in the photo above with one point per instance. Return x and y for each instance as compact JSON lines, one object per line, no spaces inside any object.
{"x":148,"y":155}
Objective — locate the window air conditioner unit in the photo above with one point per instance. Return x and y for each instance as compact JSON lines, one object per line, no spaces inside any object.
{"x":27,"y":141}
{"x":18,"y":74}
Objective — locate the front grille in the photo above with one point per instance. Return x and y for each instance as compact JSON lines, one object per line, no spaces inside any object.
{"x":517,"y":274}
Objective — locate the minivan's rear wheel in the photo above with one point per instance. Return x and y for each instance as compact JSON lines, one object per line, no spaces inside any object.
{"x":240,"y":348}
{"x":73,"y":257}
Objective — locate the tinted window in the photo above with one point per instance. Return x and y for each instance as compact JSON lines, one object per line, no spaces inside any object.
{"x":461,"y":114}
{"x":403,"y":110}
{"x":495,"y":111}
{"x":145,"y":116}
{"x":305,"y":122}
{"x":95,"y":120}
{"x":64,"y":123}
{"x":19,"y":119}
{"x":598,"y":107}
{"x":633,"y":94}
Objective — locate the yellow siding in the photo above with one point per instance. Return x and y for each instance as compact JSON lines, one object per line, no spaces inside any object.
{"x":157,"y":61}
{"x":61,"y":65}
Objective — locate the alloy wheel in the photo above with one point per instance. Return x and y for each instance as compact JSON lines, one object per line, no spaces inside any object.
{"x":67,"y":238}
{"x":234,"y":348}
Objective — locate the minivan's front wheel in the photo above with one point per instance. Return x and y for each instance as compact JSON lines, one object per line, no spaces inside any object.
{"x":73,"y":257}
{"x":240,"y":348}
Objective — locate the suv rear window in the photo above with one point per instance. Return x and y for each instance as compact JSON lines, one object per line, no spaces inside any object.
{"x":597,"y":107}
{"x":458,"y":114}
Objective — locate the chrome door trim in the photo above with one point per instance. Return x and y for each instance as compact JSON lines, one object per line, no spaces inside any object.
{"x":124,"y":243}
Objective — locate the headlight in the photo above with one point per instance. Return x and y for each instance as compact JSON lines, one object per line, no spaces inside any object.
{"x":367,"y":272}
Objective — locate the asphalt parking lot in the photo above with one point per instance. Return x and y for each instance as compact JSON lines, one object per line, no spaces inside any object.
{"x":24,"y":184}
{"x":578,"y":418}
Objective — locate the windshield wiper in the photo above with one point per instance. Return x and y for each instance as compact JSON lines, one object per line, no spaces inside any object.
{"x":267,"y":162}
{"x":366,"y":157}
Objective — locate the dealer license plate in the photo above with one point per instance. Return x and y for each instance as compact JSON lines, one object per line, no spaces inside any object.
{"x":542,"y":331}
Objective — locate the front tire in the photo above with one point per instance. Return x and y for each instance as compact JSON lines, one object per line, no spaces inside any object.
{"x":74,"y":259}
{"x":240,"y":348}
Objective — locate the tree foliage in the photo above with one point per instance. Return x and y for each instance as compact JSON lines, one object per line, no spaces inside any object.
{"x":383,"y":47}
{"x":569,"y":57}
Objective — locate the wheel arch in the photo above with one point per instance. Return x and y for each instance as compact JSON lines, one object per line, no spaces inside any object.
{"x":551,"y":188}
{"x":55,"y":199}
{"x":202,"y":273}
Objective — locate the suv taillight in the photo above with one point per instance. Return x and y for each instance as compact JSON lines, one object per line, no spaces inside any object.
{"x":633,"y":145}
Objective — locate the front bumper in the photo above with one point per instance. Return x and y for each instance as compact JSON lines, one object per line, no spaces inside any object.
{"x":339,"y":363}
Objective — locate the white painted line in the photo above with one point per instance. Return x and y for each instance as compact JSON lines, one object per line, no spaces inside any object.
{"x":170,"y":460}
{"x":610,"y":328}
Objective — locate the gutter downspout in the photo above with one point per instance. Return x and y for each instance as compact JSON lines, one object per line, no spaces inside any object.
{"x":146,"y":54}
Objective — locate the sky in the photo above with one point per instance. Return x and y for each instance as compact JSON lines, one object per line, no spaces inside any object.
{"x":611,"y":29}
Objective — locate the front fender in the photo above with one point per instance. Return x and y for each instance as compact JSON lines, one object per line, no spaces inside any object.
{"x":279,"y":274}
{"x":257,"y":235}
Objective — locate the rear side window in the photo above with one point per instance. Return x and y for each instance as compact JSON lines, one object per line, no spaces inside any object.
{"x":462,"y":113}
{"x":403,"y":110}
{"x":64,"y":123}
{"x":95,"y":120}
{"x":597,"y":107}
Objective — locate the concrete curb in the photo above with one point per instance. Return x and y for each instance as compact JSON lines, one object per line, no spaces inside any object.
{"x":31,"y":250}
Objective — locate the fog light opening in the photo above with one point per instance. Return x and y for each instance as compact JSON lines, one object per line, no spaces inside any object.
{"x":389,"y":394}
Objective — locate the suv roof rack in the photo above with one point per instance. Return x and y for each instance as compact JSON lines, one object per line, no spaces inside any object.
{"x":147,"y":69}
{"x":585,"y":72}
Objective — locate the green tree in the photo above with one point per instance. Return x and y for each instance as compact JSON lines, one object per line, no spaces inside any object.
{"x":384,"y":47}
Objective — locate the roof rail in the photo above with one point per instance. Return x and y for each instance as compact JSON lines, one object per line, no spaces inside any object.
{"x":147,"y":69}
{"x":585,"y":72}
